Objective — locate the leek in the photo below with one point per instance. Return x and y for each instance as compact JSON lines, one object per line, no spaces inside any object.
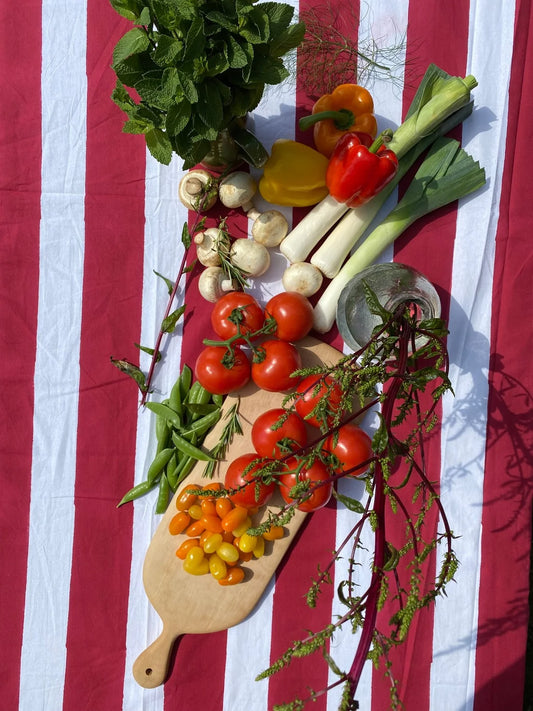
{"x":331,"y":254}
{"x":438,"y":96}
{"x":448,"y":173}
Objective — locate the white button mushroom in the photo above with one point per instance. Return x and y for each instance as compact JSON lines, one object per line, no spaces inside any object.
{"x":302,"y":277}
{"x":196,"y":190}
{"x":269,"y":227}
{"x":210,"y":244}
{"x":213,"y":283}
{"x":237,"y":190}
{"x":249,"y":256}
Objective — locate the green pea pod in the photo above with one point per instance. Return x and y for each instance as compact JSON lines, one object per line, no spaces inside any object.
{"x":138,"y":490}
{"x":198,"y":395}
{"x":185,"y":381}
{"x":159,"y":462}
{"x":165,"y":411}
{"x":184,"y":469}
{"x":162,"y":498}
{"x":174,"y":401}
{"x":189,"y":449}
{"x":172,"y":471}
{"x":203,"y":425}
{"x":218,"y":400}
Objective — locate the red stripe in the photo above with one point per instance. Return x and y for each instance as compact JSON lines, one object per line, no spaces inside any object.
{"x":111,"y":314}
{"x":503,"y":609}
{"x":445,"y":41}
{"x":20,"y":188}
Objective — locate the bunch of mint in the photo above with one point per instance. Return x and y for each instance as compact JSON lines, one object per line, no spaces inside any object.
{"x":196,"y":66}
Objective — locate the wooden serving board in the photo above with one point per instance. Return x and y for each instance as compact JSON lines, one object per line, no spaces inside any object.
{"x":198,"y":604}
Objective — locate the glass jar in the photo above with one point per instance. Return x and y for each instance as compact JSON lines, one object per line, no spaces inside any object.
{"x":392,"y":284}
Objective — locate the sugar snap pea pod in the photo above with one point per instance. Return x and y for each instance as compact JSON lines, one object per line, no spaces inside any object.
{"x":166,"y":411}
{"x":198,"y":395}
{"x":218,"y":400}
{"x":185,"y":381}
{"x":189,"y":449}
{"x":171,"y":471}
{"x":203,"y":425}
{"x":162,"y":498}
{"x":138,"y":490}
{"x":159,"y":462}
{"x":174,"y":401}
{"x":184,"y":468}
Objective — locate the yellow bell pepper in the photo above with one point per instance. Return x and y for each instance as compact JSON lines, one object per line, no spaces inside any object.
{"x":294,"y":175}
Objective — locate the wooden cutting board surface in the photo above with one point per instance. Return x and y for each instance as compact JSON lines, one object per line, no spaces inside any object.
{"x":198,"y":604}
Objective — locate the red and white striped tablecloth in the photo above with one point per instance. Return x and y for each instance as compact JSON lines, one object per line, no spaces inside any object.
{"x":86,"y":217}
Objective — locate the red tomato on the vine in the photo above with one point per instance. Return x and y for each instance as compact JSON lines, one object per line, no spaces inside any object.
{"x":220,"y":371}
{"x":320,"y":489}
{"x":352,"y":446}
{"x":277,"y":431}
{"x":254,"y":492}
{"x":315,"y":391}
{"x":292,"y":313}
{"x":236,"y":313}
{"x":273,"y":364}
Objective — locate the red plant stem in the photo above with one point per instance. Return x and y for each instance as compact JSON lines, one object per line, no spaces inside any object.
{"x":161,"y":333}
{"x":371,"y":609}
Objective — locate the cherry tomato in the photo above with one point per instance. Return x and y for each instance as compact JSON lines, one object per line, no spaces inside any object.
{"x":219,"y":372}
{"x":353,"y":447}
{"x":320,"y":489}
{"x":292,"y":313}
{"x":278,"y":360}
{"x":267,"y":433}
{"x":316,"y":391}
{"x":234,"y":313}
{"x":254,"y":492}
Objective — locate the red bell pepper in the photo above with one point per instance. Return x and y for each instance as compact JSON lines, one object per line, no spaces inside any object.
{"x":356,"y":173}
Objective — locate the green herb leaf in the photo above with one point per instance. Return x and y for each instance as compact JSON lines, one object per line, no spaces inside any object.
{"x":130,"y":9}
{"x":133,"y":371}
{"x":169,"y":323}
{"x":168,"y":282}
{"x":133,"y":42}
{"x":159,"y":145}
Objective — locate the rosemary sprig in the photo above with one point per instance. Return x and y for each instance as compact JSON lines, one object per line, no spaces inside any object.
{"x":231,"y":428}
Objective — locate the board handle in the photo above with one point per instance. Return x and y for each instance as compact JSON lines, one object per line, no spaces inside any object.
{"x":151,"y":666}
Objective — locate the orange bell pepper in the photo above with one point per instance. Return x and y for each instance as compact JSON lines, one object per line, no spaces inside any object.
{"x":348,"y":108}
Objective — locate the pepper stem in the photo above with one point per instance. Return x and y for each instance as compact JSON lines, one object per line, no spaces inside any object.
{"x":384,"y":137}
{"x":343,"y":119}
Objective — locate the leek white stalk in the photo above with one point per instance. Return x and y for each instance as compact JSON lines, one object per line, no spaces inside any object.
{"x":299,"y":243}
{"x":447,"y":174}
{"x":332,"y":253}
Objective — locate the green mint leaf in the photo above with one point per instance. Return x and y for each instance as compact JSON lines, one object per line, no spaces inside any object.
{"x":145,"y":18}
{"x":237,"y":57}
{"x":287,"y":40}
{"x":167,"y":51}
{"x":130,"y":9}
{"x":159,"y":145}
{"x":122,"y":98}
{"x":223,"y":20}
{"x":133,"y":42}
{"x":178,"y":117}
{"x":188,"y":86}
{"x":195,"y":40}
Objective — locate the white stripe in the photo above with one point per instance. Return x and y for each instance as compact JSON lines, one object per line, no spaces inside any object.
{"x":465,"y":415}
{"x":56,"y":379}
{"x":163,"y":251}
{"x":248,"y":648}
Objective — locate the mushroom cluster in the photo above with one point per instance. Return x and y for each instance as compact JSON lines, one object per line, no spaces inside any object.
{"x":215,"y":248}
